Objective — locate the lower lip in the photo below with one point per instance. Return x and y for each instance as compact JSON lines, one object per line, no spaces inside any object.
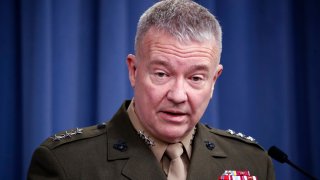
{"x":172,"y":118}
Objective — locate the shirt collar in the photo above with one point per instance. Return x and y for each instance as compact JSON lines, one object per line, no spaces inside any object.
{"x":159,"y":146}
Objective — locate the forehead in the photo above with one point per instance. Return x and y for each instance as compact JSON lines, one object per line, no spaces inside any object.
{"x":160,"y":42}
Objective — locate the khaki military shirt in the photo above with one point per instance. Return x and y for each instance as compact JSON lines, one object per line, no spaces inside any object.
{"x":114,"y":150}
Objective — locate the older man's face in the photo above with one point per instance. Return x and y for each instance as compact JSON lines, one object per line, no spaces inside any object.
{"x":173,"y":83}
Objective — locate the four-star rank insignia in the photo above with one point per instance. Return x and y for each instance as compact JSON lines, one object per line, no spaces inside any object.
{"x":241,"y":135}
{"x":67,"y":134}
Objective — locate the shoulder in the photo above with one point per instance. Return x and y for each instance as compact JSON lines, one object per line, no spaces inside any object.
{"x":74,"y":135}
{"x":230,"y":136}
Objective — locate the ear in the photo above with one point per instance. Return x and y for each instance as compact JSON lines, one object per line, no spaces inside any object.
{"x":216,"y":76}
{"x":131,"y":62}
{"x":218,"y":72}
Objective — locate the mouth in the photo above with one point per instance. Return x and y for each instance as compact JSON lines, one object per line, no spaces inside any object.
{"x":173,"y":116}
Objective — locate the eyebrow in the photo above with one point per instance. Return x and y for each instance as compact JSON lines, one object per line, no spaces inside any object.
{"x":160,"y":62}
{"x":198,"y":67}
{"x":193,"y":67}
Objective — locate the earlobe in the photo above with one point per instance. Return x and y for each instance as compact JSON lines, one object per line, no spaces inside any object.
{"x":131,"y":63}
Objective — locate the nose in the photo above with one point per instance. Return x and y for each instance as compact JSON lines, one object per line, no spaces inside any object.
{"x":177,"y":92}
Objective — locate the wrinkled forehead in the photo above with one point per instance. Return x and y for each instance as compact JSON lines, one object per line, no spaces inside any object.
{"x":160,"y":37}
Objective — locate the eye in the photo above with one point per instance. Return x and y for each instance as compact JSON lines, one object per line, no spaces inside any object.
{"x":160,"y":74}
{"x":159,"y":77}
{"x":197,"y":78}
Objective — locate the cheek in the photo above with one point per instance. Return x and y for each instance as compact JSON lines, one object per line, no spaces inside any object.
{"x":199,"y":101}
{"x":150,"y":93}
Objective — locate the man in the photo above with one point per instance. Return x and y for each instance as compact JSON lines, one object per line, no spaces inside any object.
{"x":177,"y":62}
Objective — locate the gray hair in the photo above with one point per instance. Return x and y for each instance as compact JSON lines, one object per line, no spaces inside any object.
{"x":185,"y":20}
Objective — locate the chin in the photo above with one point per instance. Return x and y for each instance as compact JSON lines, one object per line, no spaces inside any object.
{"x":173,"y":136}
{"x":172,"y":140}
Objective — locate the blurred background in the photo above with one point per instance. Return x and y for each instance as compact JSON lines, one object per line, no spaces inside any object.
{"x":62,"y":65}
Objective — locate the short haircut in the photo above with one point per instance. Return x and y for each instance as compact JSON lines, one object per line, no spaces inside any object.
{"x":185,"y":20}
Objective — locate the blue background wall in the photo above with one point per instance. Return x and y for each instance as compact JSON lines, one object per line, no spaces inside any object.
{"x":62,"y":65}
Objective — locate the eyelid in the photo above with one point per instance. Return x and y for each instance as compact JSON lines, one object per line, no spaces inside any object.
{"x":203,"y":76}
{"x":198,"y":75}
{"x":162,"y":73}
{"x":197,"y":78}
{"x":156,"y":71}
